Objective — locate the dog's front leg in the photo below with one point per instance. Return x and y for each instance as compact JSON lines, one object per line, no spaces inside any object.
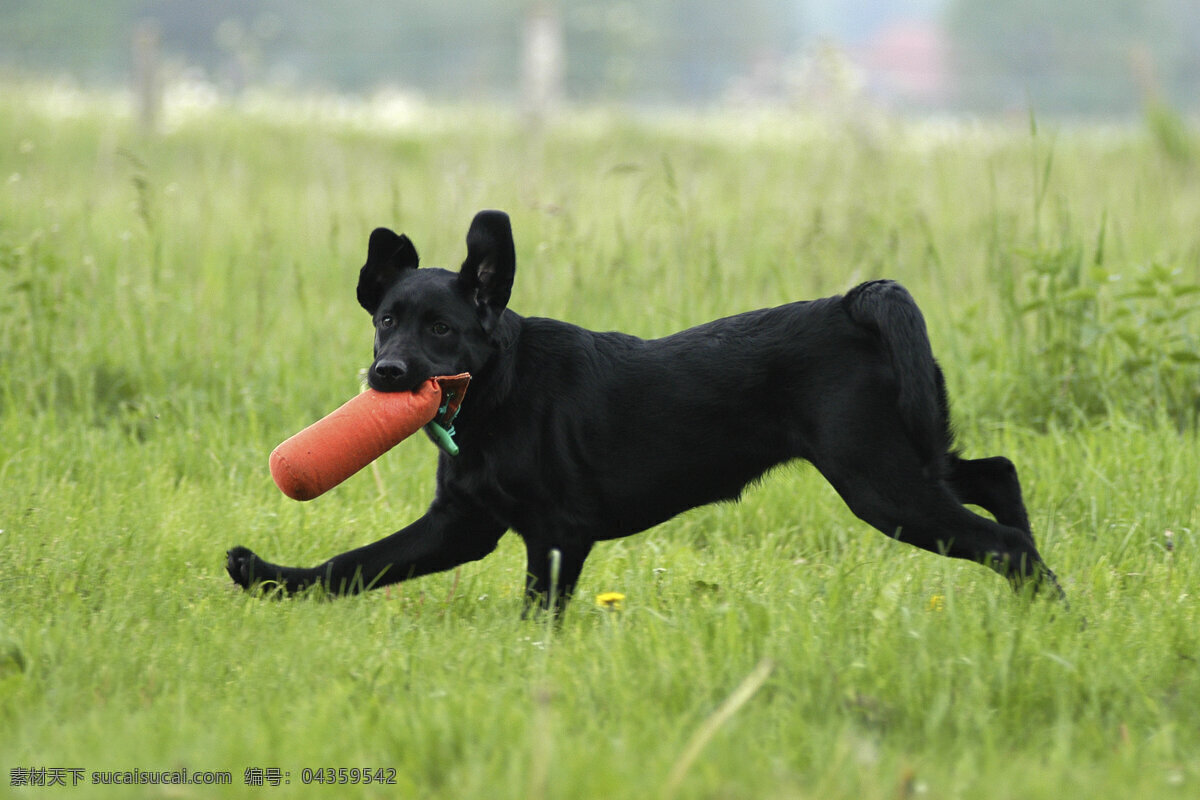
{"x":443,"y":538}
{"x":551,"y":573}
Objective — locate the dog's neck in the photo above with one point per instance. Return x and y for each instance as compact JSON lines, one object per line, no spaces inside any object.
{"x":507,"y":331}
{"x":495,"y":379}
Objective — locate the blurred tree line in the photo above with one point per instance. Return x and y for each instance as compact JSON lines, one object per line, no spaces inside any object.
{"x":1075,"y":56}
{"x":1081,"y":56}
{"x":652,"y":50}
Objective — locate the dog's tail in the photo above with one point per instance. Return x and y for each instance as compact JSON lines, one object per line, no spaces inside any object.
{"x":889,"y":311}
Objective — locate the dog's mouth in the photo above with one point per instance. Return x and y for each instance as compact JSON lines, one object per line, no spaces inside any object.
{"x":395,"y":386}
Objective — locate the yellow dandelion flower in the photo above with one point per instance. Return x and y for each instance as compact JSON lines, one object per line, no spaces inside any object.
{"x":610,"y":601}
{"x":937,"y":603}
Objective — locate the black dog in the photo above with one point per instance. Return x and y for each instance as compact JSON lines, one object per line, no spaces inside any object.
{"x":570,"y":437}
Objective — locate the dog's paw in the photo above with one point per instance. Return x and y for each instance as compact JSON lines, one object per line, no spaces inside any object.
{"x":240,"y":563}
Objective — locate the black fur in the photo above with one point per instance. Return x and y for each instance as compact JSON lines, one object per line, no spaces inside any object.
{"x":569,"y":436}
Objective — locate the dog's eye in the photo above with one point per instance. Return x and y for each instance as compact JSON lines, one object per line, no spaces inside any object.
{"x":387,"y":321}
{"x":440,"y":329}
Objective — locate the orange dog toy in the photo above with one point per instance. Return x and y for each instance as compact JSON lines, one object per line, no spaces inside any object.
{"x":335,"y":447}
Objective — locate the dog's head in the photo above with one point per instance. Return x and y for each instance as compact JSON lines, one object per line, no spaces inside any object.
{"x":433,"y":321}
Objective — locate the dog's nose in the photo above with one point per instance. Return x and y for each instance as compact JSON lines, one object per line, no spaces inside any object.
{"x":391,"y":371}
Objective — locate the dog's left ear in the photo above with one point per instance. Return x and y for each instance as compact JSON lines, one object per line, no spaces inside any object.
{"x":487,"y":274}
{"x":388,"y":255}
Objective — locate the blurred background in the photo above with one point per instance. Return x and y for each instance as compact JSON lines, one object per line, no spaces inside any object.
{"x":1071,"y":58}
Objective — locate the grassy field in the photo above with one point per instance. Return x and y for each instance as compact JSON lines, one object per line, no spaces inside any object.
{"x":171,"y":307}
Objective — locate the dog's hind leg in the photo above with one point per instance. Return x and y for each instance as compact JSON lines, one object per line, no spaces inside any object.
{"x":882,"y":480}
{"x":991,"y":484}
{"x":930,"y":517}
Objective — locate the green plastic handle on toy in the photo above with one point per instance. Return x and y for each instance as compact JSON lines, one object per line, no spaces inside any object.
{"x":443,"y":437}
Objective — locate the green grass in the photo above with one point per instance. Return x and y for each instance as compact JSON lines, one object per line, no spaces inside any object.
{"x":173,"y":307}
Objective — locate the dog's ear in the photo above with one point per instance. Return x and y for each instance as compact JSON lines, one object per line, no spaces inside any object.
{"x":487,"y":274}
{"x":388,"y":255}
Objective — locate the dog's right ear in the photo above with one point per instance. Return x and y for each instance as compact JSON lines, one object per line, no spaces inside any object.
{"x":388,"y":256}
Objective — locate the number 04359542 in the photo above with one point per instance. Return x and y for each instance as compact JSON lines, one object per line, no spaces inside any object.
{"x":346,"y":775}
